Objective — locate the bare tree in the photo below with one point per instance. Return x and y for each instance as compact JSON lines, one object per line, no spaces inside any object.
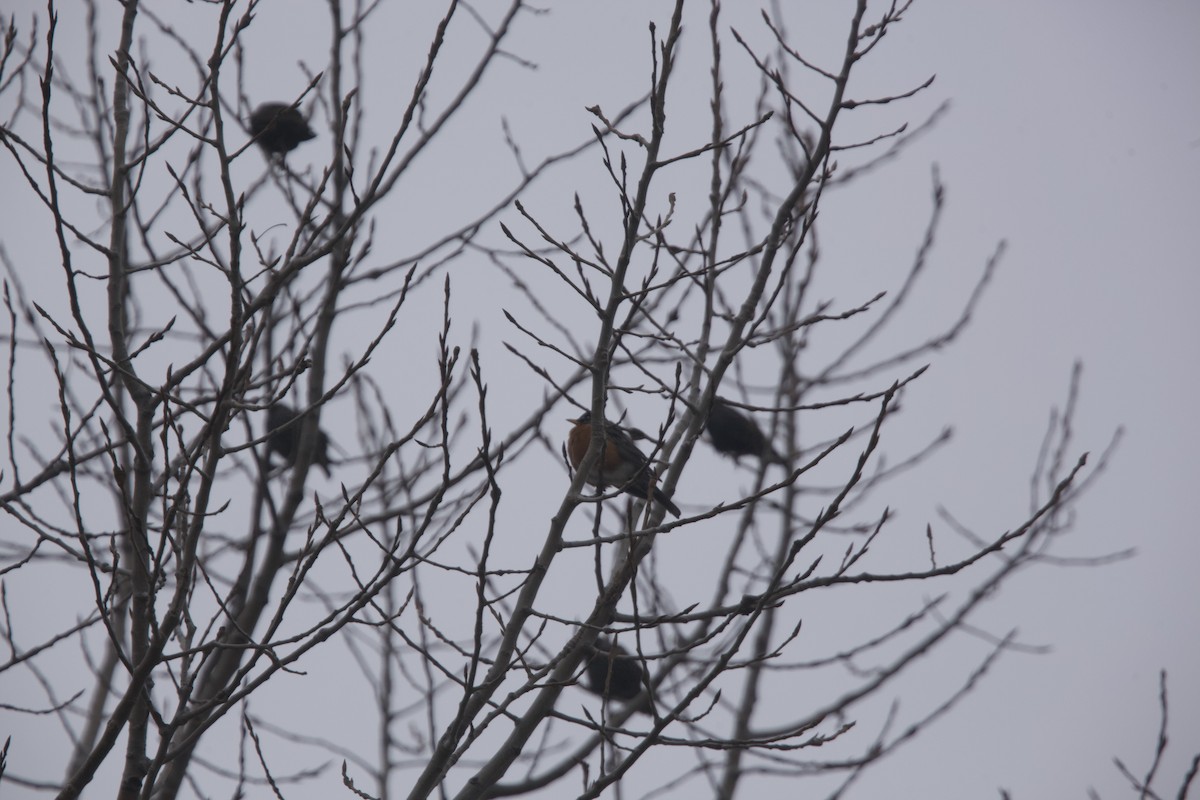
{"x":222,"y":320}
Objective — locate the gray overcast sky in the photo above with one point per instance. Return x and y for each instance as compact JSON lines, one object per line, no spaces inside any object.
{"x":1074,"y":134}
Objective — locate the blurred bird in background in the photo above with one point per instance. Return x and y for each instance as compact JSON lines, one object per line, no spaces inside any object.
{"x":284,"y":437}
{"x":279,"y":128}
{"x":735,"y":434}
{"x":612,"y":673}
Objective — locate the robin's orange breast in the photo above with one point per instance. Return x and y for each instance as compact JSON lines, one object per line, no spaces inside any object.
{"x":578,"y":439}
{"x":611,"y":467}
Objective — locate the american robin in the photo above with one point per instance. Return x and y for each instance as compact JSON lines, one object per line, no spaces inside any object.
{"x":623,"y":465}
{"x":736,"y":434}
{"x":612,"y":673}
{"x":279,"y":127}
{"x":284,"y":437}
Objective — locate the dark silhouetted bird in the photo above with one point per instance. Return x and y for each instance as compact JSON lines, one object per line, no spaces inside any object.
{"x":279,"y":128}
{"x":284,"y":440}
{"x":612,"y":673}
{"x":735,"y":434}
{"x":623,"y":466}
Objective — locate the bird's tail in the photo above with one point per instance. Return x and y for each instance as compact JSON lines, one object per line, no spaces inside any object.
{"x":665,"y":502}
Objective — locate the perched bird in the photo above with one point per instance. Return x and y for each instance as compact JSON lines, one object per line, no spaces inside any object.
{"x":623,"y":466}
{"x":736,"y":434}
{"x":284,"y":437}
{"x":279,"y":128}
{"x":612,"y":673}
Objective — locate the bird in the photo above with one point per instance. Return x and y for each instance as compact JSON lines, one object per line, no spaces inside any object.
{"x":284,"y":437}
{"x":623,"y":466}
{"x":612,"y":673}
{"x":279,"y":128}
{"x":735,"y":434}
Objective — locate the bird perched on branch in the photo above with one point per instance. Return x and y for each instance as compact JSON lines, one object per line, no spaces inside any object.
{"x":612,"y":673}
{"x":735,"y":434}
{"x":622,"y":466}
{"x":279,"y":128}
{"x":284,"y":436}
